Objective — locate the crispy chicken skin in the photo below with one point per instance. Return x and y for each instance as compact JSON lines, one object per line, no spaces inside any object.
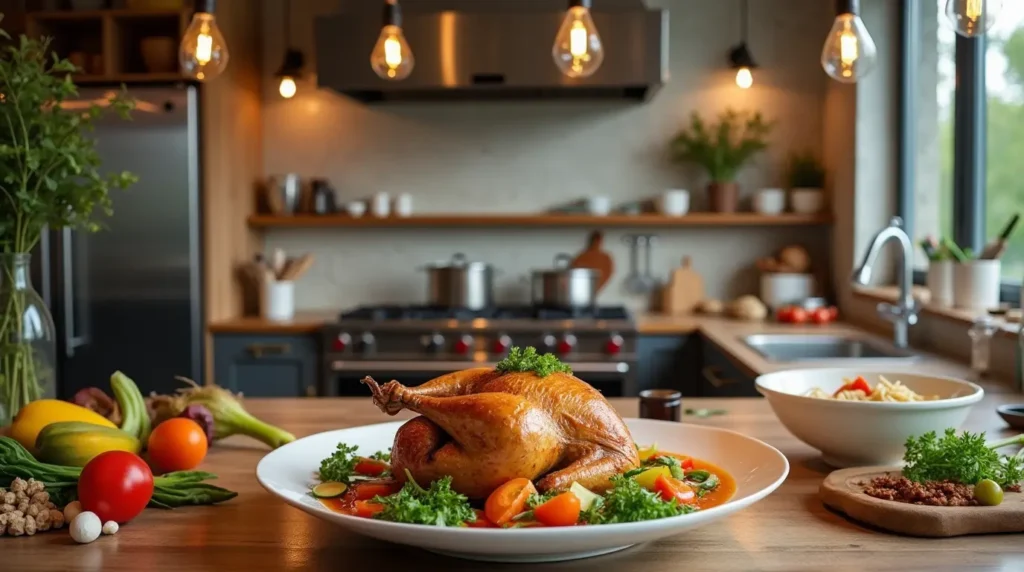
{"x":484,"y":427}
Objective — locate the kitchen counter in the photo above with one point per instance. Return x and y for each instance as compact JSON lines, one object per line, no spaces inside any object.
{"x":302,"y":323}
{"x":789,"y":530}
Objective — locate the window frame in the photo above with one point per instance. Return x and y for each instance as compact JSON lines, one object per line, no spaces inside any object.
{"x":970,"y":125}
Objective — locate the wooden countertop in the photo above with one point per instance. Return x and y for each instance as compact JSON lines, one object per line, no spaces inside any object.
{"x":789,"y":530}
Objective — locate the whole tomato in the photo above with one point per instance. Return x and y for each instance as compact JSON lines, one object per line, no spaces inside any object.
{"x":821,"y":315}
{"x":115,"y":485}
{"x":177,"y":444}
{"x":785,"y":314}
{"x":799,"y":315}
{"x":834,"y":311}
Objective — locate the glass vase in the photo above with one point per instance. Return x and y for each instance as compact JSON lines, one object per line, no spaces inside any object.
{"x":27,"y":342}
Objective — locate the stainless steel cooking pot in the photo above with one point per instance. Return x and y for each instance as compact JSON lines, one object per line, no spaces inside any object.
{"x":460,"y":284}
{"x":565,"y":287}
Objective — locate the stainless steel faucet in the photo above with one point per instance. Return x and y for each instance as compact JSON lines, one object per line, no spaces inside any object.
{"x":903,"y":313}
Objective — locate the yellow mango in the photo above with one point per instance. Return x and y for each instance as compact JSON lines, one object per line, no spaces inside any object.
{"x":31,"y":419}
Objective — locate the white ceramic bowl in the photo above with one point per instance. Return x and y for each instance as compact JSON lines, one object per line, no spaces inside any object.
{"x":853,"y":433}
{"x":770,"y":201}
{"x":759,"y":469}
{"x":807,"y":201}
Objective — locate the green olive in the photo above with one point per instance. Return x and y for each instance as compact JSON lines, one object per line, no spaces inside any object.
{"x":988,"y":492}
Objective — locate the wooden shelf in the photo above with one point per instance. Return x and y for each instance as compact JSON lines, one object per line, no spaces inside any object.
{"x":55,"y":15}
{"x":128,"y":78}
{"x":538,"y":220}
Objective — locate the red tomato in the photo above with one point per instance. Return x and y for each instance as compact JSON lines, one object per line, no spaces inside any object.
{"x":366,"y":491}
{"x":177,"y":444}
{"x":563,"y":510}
{"x":670,"y":489}
{"x":371,"y":467}
{"x":684,"y":463}
{"x":859,"y":383}
{"x":799,"y":315}
{"x":785,"y":314}
{"x":821,"y":316}
{"x":834,"y":312}
{"x":116,"y":485}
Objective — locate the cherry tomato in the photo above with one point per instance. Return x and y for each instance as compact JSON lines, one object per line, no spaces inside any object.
{"x":371,"y":467}
{"x":821,"y":316}
{"x":116,"y":485}
{"x":481,"y":520}
{"x":859,"y":383}
{"x":674,"y":489}
{"x":177,"y":444}
{"x":366,"y":491}
{"x":508,"y":500}
{"x":834,"y":312}
{"x":684,"y":462}
{"x":785,"y":314}
{"x":367,"y":509}
{"x":563,"y":510}
{"x":799,"y":315}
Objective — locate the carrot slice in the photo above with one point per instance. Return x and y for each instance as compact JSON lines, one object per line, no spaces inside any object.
{"x":371,"y":467}
{"x":366,"y":491}
{"x":563,"y":510}
{"x":367,"y":509}
{"x":508,"y":500}
{"x":674,"y":489}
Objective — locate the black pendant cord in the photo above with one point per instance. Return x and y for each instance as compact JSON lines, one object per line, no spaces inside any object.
{"x":287,"y":25}
{"x":392,"y":13}
{"x":744,"y":20}
{"x":848,"y":7}
{"x":206,"y":6}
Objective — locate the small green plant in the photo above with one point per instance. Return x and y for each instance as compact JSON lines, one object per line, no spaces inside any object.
{"x":805,"y":171}
{"x":722,"y":148}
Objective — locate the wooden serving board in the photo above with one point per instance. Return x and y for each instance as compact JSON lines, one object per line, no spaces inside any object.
{"x":843,"y":491}
{"x":596,"y":258}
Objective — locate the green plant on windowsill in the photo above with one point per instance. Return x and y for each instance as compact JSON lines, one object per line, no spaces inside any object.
{"x":49,"y":179}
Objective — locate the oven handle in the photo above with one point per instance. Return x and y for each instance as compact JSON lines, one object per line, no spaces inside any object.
{"x":446,"y":366}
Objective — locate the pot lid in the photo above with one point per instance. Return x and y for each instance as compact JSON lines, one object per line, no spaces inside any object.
{"x":458,"y":261}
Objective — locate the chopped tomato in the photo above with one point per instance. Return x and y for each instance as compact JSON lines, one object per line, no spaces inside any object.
{"x":366,"y":491}
{"x":670,"y":489}
{"x":563,"y":510}
{"x":833,"y":311}
{"x":367,"y":509}
{"x":508,"y":500}
{"x":859,"y":383}
{"x":481,"y":520}
{"x":371,"y":467}
{"x":785,"y":314}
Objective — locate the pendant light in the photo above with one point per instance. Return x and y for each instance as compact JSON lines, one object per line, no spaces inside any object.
{"x":291,"y":67}
{"x":740,"y":57}
{"x":849,"y":53}
{"x":973,"y":18}
{"x":203,"y":54}
{"x":578,"y":51}
{"x":391,"y":57}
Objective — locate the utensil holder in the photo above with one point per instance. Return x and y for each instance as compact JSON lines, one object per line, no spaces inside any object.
{"x":939,"y":282}
{"x":280,"y":304}
{"x":976,"y":284}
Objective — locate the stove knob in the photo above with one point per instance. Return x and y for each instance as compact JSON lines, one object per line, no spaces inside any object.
{"x":341,"y":343}
{"x":501,"y":344}
{"x":548,"y":341}
{"x":463,"y":344}
{"x":366,"y":342}
{"x":614,"y":344}
{"x":567,"y":344}
{"x":433,"y":343}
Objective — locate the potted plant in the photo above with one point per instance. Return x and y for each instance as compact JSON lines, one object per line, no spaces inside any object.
{"x":49,"y":179}
{"x":722,"y":149}
{"x":806,"y":182}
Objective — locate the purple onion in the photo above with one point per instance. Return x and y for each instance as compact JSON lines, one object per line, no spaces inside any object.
{"x":203,"y":417}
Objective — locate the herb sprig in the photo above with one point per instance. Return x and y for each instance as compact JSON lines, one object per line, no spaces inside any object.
{"x":524,"y":360}
{"x":341,"y":465}
{"x":438,"y":506}
{"x":964,"y":458}
{"x":627,"y":501}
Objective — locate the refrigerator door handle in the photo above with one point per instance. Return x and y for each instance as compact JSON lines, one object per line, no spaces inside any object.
{"x":71,"y":341}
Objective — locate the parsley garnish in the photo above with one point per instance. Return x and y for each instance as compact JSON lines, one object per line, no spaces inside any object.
{"x":339,"y":466}
{"x":964,"y":459}
{"x":439,"y":505}
{"x":523,"y":360}
{"x":536,"y":500}
{"x":627,"y":501}
{"x":382,"y":456}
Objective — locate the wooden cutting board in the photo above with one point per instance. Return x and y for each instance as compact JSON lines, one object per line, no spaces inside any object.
{"x":684,"y":291}
{"x":843,"y":491}
{"x":595,"y":258}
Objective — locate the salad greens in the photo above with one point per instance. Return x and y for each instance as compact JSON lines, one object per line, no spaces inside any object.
{"x":439,"y":505}
{"x":627,"y":501}
{"x":964,"y":458}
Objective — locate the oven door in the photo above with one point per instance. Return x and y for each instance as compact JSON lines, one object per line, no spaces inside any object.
{"x":341,"y":377}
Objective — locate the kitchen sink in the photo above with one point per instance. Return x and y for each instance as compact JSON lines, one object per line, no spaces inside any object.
{"x":814,"y":347}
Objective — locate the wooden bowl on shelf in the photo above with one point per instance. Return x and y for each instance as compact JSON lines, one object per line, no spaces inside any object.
{"x":159,"y":53}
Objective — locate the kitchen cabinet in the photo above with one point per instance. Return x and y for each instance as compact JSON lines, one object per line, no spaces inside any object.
{"x":721,"y":377}
{"x":668,"y":362}
{"x":266,"y":366}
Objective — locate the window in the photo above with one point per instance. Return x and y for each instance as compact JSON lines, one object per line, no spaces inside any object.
{"x":962,"y":108}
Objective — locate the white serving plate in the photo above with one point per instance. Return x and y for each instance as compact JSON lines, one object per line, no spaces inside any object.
{"x":758,"y":468}
{"x":864,"y":433}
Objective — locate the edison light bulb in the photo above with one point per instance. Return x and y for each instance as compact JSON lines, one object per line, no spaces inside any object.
{"x":391,"y":57}
{"x":849,"y":53}
{"x":973,"y":18}
{"x":287,"y":87}
{"x":578,"y":51}
{"x":203,"y":53}
{"x":744,"y":78}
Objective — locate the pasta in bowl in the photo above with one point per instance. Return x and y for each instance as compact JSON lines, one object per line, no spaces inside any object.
{"x":825,"y":407}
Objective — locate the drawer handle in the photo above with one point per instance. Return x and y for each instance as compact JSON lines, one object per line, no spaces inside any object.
{"x":713,"y":375}
{"x":261,"y":350}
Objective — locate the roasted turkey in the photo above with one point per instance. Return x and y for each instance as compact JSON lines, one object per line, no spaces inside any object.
{"x":484,"y":427}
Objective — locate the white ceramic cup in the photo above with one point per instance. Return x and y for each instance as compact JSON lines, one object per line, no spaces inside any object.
{"x":403,"y":205}
{"x":675,"y":202}
{"x":807,"y":201}
{"x":356,"y":209}
{"x":380,"y":205}
{"x":780,"y":289}
{"x":939,"y":281}
{"x":770,"y":201}
{"x":280,"y":300}
{"x":599,"y":206}
{"x":976,"y":284}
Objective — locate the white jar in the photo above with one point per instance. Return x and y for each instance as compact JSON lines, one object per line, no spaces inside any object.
{"x":939,"y":281}
{"x":380,"y":205}
{"x":280,"y":300}
{"x":403,"y":205}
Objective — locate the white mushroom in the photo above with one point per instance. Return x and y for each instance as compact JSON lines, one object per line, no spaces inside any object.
{"x":86,"y":527}
{"x":110,"y":527}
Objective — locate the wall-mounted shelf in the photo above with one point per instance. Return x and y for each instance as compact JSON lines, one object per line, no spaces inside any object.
{"x":538,"y":220}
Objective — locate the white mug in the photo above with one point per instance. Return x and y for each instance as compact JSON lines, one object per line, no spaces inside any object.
{"x":599,"y":206}
{"x":675,"y":202}
{"x":356,"y":209}
{"x":380,"y":205}
{"x":280,"y":300}
{"x":770,"y":201}
{"x":403,"y":205}
{"x":976,"y":284}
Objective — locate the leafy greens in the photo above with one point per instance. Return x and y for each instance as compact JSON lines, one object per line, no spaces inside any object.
{"x":524,"y":360}
{"x":341,"y":465}
{"x":439,"y":505}
{"x":964,"y":458}
{"x":627,"y":501}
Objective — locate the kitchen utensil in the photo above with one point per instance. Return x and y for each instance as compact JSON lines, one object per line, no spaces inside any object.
{"x":976,"y":284}
{"x":296,"y":267}
{"x":996,"y":248}
{"x":661,"y":404}
{"x":278,"y":261}
{"x":159,"y":53}
{"x":599,"y":206}
{"x":674,"y":202}
{"x":380,"y":205}
{"x":770,"y":201}
{"x":843,"y":491}
{"x":356,"y":209}
{"x":403,"y":205}
{"x":565,"y":286}
{"x":782,"y":289}
{"x":684,"y":291}
{"x":323,"y":197}
{"x":807,"y":201}
{"x":650,"y":281}
{"x":288,"y":191}
{"x":595,"y":258}
{"x":757,"y":467}
{"x":635,"y":283}
{"x":460,"y":284}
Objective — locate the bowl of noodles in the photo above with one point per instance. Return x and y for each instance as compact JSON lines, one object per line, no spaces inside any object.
{"x":858,"y":417}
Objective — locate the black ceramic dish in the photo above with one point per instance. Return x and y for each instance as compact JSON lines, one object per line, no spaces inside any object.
{"x":1013,"y":414}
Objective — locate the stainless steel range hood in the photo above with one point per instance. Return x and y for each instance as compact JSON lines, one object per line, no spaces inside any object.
{"x":498,"y":49}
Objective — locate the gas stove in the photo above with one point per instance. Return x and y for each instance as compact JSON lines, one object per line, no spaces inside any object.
{"x":417,"y":343}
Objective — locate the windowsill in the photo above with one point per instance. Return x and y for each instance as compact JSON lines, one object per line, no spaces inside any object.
{"x":966,"y":317}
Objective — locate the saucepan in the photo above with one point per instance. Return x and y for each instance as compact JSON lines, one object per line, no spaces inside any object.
{"x":564,"y":286}
{"x":459,"y":283}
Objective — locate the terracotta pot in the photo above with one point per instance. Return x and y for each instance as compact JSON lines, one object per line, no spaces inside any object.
{"x":723,"y":196}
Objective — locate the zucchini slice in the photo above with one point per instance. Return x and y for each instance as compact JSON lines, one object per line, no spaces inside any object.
{"x":329,"y":490}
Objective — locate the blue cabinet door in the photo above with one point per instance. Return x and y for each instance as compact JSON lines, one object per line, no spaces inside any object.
{"x":722,"y":377}
{"x":668,"y":362}
{"x":266,"y":366}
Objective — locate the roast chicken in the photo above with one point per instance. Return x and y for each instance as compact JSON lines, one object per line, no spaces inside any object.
{"x":484,"y":427}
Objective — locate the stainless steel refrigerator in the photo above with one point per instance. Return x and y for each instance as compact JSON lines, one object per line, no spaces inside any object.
{"x":129,"y":297}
